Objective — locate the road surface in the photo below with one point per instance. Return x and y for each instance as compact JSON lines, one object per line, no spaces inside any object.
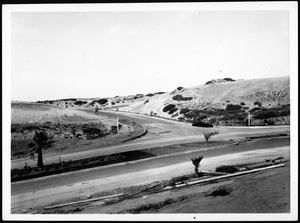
{"x":59,"y":188}
{"x":161,"y":132}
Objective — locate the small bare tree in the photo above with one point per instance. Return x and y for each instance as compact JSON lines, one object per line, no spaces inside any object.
{"x":96,"y":109}
{"x":208,"y":135}
{"x":196,"y":163}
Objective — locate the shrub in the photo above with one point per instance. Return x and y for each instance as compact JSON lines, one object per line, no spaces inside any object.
{"x":242,"y":103}
{"x":209,"y":82}
{"x":202,"y":124}
{"x":259,"y":104}
{"x":227,"y":169}
{"x":181,"y":98}
{"x":168,"y":107}
{"x":138,"y":96}
{"x":184,"y":111}
{"x":160,"y":92}
{"x":150,"y":95}
{"x":173,"y":110}
{"x":101,"y":101}
{"x":146,"y":101}
{"x":174,"y":115}
{"x":284,"y":112}
{"x":265,"y":114}
{"x":254,"y":109}
{"x":78,"y":103}
{"x":231,"y":107}
{"x":91,"y":130}
{"x":179,"y":88}
{"x":208,"y":135}
{"x":228,"y":79}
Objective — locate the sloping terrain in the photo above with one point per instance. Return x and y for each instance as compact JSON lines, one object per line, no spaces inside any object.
{"x":217,"y":102}
{"x":71,"y":129}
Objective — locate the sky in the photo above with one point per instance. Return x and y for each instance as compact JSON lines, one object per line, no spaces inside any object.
{"x":57,"y":55}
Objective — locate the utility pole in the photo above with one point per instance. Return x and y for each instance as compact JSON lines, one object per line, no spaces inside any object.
{"x":117,"y":124}
{"x":249,"y":119}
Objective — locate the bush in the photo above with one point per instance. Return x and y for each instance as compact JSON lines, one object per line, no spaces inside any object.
{"x":284,"y":112}
{"x":173,"y":110}
{"x":101,"y":101}
{"x":78,"y":103}
{"x":242,"y":103}
{"x":160,"y":92}
{"x":259,"y":104}
{"x":184,"y":111}
{"x":138,"y":96}
{"x":227,"y":169}
{"x":181,"y":98}
{"x":168,"y":107}
{"x":265,"y":114}
{"x":202,"y":124}
{"x":146,"y":101}
{"x":209,"y":82}
{"x":231,"y":107}
{"x":228,"y":79}
{"x":150,"y":95}
{"x":179,"y":88}
{"x":254,"y":109}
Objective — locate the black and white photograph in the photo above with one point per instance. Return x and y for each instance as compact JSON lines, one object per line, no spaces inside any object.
{"x":150,"y":111}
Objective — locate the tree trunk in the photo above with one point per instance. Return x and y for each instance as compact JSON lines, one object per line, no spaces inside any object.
{"x":196,"y":170}
{"x":40,"y":162}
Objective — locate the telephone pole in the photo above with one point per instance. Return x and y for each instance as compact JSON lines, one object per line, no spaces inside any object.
{"x":249,"y":119}
{"x":117,"y":124}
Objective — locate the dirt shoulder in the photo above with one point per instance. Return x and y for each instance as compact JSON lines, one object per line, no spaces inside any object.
{"x":262,"y":192}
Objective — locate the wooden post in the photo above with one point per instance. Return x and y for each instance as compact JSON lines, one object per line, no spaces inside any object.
{"x":249,"y":119}
{"x":117,"y":124}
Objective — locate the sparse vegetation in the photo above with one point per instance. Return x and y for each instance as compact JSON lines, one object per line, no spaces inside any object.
{"x":259,"y":104}
{"x":231,"y":107}
{"x":208,"y":135}
{"x":184,"y":111}
{"x":173,"y":110}
{"x":202,"y":124}
{"x":265,"y":113}
{"x":168,"y":107}
{"x":179,"y":97}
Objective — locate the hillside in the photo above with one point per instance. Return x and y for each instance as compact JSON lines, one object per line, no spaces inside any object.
{"x":219,"y":102}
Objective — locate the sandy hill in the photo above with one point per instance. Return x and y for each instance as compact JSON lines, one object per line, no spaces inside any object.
{"x":268,"y":93}
{"x":22,"y":112}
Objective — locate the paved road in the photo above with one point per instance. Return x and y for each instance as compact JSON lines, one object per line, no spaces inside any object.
{"x":161,"y":132}
{"x":82,"y":183}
